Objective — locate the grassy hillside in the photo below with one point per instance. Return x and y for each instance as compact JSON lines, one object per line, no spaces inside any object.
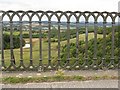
{"x":63,"y":48}
{"x":101,"y":51}
{"x":35,"y":43}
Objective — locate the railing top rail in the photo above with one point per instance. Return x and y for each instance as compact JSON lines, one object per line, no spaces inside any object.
{"x":59,"y":14}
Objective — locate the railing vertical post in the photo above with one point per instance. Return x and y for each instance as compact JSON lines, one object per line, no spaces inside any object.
{"x":68,"y":44}
{"x":21,"y":43}
{"x":1,"y":51}
{"x":1,"y":34}
{"x":76,"y":64}
{"x":21,"y":65}
{"x":49,"y":44}
{"x":1,"y":43}
{"x":104,"y":45}
{"x":86,"y":44}
{"x":77,"y":40}
{"x":95,"y":46}
{"x":40,"y":43}
{"x":112,"y":45}
{"x":58,"y":43}
{"x":11,"y":43}
{"x":30,"y":37}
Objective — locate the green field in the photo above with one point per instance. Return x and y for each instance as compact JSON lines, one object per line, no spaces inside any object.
{"x":35,"y":43}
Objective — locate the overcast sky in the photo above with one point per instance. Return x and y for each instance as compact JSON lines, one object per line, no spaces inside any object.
{"x":73,"y":5}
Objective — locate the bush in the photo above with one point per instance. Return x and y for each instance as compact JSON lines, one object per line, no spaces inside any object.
{"x":100,"y":42}
{"x":16,"y":41}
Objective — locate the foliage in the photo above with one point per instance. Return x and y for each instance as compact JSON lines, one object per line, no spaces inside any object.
{"x":60,"y":72}
{"x":64,"y":33}
{"x":100,"y":49}
{"x":34,"y":35}
{"x":16,"y":41}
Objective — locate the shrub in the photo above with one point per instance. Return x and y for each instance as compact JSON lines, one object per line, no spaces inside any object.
{"x":16,"y":41}
{"x":100,"y":42}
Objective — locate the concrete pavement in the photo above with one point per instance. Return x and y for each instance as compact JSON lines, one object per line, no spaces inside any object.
{"x":52,"y":73}
{"x":71,"y":84}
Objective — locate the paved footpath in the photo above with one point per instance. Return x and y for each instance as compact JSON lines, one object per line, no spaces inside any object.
{"x":71,"y":84}
{"x":52,"y":73}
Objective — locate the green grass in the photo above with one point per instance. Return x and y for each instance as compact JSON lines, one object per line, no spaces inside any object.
{"x":35,"y":43}
{"x":15,"y":80}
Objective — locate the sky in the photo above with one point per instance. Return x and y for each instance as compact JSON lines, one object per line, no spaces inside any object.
{"x":64,"y":5}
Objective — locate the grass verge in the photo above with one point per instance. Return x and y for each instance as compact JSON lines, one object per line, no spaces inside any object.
{"x":23,"y":80}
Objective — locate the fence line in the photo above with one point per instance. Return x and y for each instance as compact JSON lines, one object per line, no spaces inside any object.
{"x":113,"y":62}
